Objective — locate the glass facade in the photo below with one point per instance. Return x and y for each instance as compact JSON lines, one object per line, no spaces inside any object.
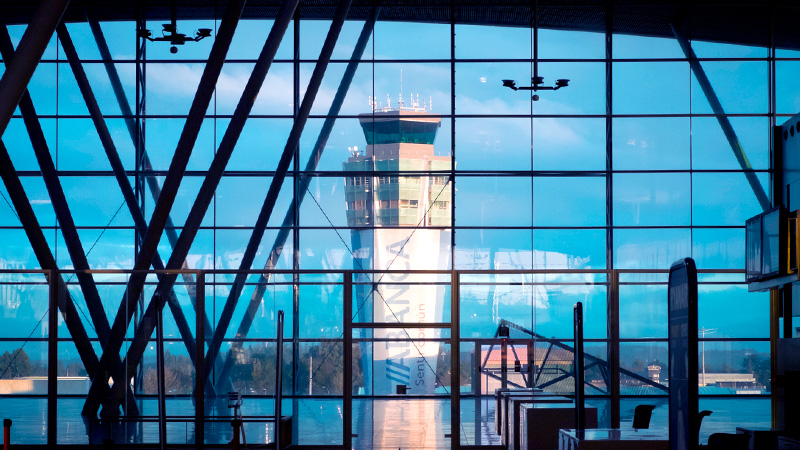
{"x":511,"y":208}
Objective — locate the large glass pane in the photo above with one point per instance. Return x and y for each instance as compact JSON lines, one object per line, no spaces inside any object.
{"x":489,"y":42}
{"x":251,"y":35}
{"x":18,"y":143}
{"x":569,"y":249}
{"x":230,"y":246}
{"x":312,"y":37}
{"x":569,"y":44}
{"x":104,"y":249}
{"x":725,"y":198}
{"x":239,"y":201}
{"x":420,"y":40}
{"x":260,"y":144}
{"x":711,"y":149}
{"x":48,"y":89}
{"x":265,"y":297}
{"x":651,"y":87}
{"x":731,"y":367}
{"x":573,"y":201}
{"x":569,"y":144}
{"x":321,"y":311}
{"x":652,"y":143}
{"x":274,"y":98}
{"x":740,"y":86}
{"x":104,"y":93}
{"x":642,"y":311}
{"x":493,"y":201}
{"x":335,"y":249}
{"x":161,"y":140}
{"x":171,"y":87}
{"x":644,"y":368}
{"x":429,"y":81}
{"x":716,"y":306}
{"x":704,"y":49}
{"x":632,"y":46}
{"x":358,"y":93}
{"x":119,"y":36}
{"x":652,"y":248}
{"x":496,"y":144}
{"x":652,"y":199}
{"x":96,"y":201}
{"x":718,"y":248}
{"x":787,"y":90}
{"x":479,"y":88}
{"x":486,"y":249}
{"x":487,"y":299}
{"x":586,"y":93}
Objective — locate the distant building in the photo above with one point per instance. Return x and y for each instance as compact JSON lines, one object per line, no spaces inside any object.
{"x":738,"y":381}
{"x":38,"y":386}
{"x":654,"y":373}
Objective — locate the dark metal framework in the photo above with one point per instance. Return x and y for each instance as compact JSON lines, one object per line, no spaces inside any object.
{"x":146,"y":313}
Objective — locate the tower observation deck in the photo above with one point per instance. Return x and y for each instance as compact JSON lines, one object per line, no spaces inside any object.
{"x":398,"y":141}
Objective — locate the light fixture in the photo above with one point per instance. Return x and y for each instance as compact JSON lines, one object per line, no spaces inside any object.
{"x":537,"y":82}
{"x":170,"y":33}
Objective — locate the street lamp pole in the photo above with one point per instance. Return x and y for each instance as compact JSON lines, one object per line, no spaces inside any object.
{"x":703,"y":332}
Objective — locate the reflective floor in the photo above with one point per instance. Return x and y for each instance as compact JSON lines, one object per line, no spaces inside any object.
{"x":386,"y":424}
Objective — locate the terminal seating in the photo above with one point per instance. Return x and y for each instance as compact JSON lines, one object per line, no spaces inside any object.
{"x":642,"y":415}
{"x":727,"y":441}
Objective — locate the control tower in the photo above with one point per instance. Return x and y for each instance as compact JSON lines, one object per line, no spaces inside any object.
{"x":401,"y":215}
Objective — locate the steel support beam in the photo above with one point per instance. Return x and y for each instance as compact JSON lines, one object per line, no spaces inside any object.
{"x":347,"y":327}
{"x":15,"y":80}
{"x":199,"y":399}
{"x":612,"y":351}
{"x":209,"y":186}
{"x":455,"y":360}
{"x":46,"y":260}
{"x":54,"y":189}
{"x":122,"y":179}
{"x":52,"y":359}
{"x":152,"y":181}
{"x":724,"y":122}
{"x":288,"y":219}
{"x":165,"y":201}
{"x":58,"y":199}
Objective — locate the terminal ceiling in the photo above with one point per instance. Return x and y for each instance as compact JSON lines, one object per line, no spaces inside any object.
{"x":737,"y":22}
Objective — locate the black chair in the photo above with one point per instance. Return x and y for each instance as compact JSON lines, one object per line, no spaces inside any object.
{"x":642,"y":415}
{"x":700,"y":416}
{"x":727,"y":441}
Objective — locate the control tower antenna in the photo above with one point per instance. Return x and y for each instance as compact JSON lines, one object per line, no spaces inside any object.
{"x":401,"y":89}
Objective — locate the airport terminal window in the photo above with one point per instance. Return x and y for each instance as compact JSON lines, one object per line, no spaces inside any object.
{"x":577,"y":180}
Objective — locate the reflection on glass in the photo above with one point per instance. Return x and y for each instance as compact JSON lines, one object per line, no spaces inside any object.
{"x":644,"y":368}
{"x":711,"y":149}
{"x":651,"y":87}
{"x":650,"y":248}
{"x":652,"y":199}
{"x":653,"y":143}
{"x":740,"y":87}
